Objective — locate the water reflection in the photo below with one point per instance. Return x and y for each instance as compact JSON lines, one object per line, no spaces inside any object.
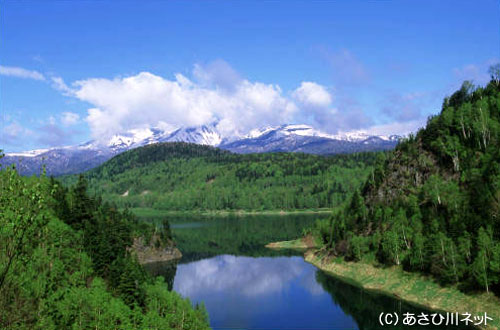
{"x":281,"y":293}
{"x":206,"y":237}
{"x":365,"y":306}
{"x":249,"y":277}
{"x":165,"y":269}
{"x":263,"y":293}
{"x":246,"y":286}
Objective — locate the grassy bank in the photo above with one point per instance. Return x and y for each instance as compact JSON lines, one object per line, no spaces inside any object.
{"x":148,"y":212}
{"x":299,"y":243}
{"x":411,"y":287}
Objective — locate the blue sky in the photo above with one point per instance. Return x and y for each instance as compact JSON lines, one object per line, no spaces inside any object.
{"x":71,"y":71}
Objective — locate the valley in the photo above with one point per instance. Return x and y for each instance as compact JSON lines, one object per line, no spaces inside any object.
{"x":408,"y":223}
{"x":249,"y":165}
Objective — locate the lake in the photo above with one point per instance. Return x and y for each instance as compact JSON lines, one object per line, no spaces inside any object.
{"x":247,"y":286}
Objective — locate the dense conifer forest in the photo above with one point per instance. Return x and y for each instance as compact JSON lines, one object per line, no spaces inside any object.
{"x":65,"y":263}
{"x":433,"y":204}
{"x":183,"y":176}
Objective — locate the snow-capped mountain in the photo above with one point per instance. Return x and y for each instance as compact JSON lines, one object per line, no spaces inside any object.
{"x":206,"y":134}
{"x":30,"y":153}
{"x":306,"y":130}
{"x":283,"y":138}
{"x":304,"y":138}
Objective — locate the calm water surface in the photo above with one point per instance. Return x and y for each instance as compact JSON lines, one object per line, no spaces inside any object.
{"x":246,"y":286}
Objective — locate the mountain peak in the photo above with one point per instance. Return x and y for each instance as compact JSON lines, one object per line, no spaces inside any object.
{"x":281,"y":138}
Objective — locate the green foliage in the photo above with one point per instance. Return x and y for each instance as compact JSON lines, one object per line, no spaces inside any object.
{"x":182,"y":176}
{"x":21,"y":219}
{"x":485,"y":266}
{"x":65,"y":263}
{"x":178,"y":315}
{"x":90,"y":308}
{"x":358,"y":247}
{"x":433,"y":205}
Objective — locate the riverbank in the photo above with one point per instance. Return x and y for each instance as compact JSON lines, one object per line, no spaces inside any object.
{"x":411,"y":287}
{"x":303,"y":243}
{"x":148,"y":212}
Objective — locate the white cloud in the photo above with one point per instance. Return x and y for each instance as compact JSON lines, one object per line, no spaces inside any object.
{"x":59,"y":84}
{"x":242,"y":275}
{"x":147,"y":99}
{"x":312,"y":94}
{"x":69,"y":118}
{"x":215,"y":94}
{"x":12,"y":71}
{"x":13,"y":129}
{"x":217,"y":74}
{"x":397,"y":128}
{"x":13,"y":133}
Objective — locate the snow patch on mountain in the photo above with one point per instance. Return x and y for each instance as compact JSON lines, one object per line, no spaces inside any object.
{"x":31,"y":153}
{"x":205,"y":134}
{"x":306,"y":130}
{"x":282,"y":138}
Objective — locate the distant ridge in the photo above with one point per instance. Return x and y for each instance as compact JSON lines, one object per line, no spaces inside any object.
{"x":282,"y":138}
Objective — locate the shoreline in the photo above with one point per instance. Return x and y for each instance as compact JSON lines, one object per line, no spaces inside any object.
{"x":302,"y":244}
{"x":412,"y":288}
{"x":144,"y":212}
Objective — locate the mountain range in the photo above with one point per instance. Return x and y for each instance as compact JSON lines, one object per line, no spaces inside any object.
{"x":283,"y":138}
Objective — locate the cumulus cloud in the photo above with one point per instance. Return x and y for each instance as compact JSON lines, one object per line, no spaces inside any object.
{"x":147,"y":99}
{"x":69,"y":118}
{"x":315,"y":102}
{"x":313,"y":95}
{"x":217,"y":74}
{"x":214,"y":94}
{"x":18,"y":72}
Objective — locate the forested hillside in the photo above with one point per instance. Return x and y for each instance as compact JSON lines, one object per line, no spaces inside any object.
{"x":433,"y":205}
{"x":182,"y":176}
{"x":65,"y":263}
